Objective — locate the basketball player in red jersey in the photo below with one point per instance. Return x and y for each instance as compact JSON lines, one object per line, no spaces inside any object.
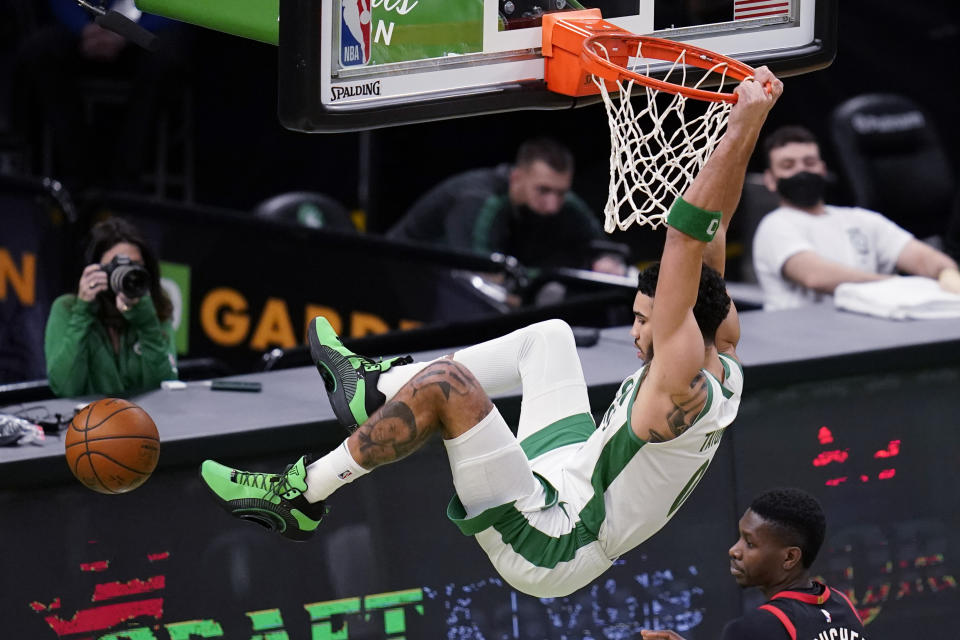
{"x":780,"y":535}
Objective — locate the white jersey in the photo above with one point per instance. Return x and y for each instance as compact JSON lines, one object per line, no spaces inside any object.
{"x":554,"y":507}
{"x":851,"y":236}
{"x":643,"y":483}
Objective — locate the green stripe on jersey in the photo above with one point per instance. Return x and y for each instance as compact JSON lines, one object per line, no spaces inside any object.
{"x":730,"y":359}
{"x":618,"y":451}
{"x":537,"y":547}
{"x":569,"y":430}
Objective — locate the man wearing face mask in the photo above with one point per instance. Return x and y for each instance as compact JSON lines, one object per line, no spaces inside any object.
{"x":805,"y":248}
{"x":511,"y":210}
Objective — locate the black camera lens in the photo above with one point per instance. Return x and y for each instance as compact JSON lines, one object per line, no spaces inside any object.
{"x":127,"y":277}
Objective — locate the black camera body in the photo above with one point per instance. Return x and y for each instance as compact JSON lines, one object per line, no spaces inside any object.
{"x":127,"y":277}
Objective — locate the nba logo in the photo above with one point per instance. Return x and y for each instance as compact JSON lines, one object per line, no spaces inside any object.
{"x":354,"y":32}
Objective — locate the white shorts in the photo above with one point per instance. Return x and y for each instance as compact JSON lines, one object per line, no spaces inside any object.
{"x":505,"y":483}
{"x":536,"y":541}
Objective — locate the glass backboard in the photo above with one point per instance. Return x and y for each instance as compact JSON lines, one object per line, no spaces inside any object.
{"x":362,"y":64}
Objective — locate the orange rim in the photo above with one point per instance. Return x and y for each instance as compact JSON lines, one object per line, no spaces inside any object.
{"x":666,"y":50}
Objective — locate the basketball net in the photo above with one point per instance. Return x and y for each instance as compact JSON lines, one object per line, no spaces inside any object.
{"x":656,"y":151}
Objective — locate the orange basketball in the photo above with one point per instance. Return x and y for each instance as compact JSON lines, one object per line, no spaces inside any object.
{"x":112,"y":446}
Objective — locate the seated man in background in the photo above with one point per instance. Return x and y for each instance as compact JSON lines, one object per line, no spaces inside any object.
{"x":804,"y":249}
{"x":526,"y":210}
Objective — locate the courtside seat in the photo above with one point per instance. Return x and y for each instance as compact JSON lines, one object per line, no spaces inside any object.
{"x":894,"y":161}
{"x":308,"y":209}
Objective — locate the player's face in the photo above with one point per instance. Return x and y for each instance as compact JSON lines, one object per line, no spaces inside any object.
{"x":641,"y":331}
{"x":541,"y":188}
{"x":756,"y":559}
{"x":792,"y":158}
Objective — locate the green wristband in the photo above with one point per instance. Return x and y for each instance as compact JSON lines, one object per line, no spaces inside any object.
{"x":697,"y":223}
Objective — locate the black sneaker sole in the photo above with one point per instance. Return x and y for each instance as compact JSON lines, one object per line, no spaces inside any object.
{"x":258,"y":512}
{"x":333,"y":368}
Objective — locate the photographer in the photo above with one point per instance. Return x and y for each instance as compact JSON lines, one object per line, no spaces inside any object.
{"x":114,"y":335}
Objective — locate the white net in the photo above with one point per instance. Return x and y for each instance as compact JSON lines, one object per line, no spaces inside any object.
{"x":657,"y":150}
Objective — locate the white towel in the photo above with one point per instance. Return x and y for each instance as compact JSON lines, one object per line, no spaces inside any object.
{"x":898,"y":298}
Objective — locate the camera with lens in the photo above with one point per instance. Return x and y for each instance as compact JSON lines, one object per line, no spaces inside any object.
{"x":127,"y":277}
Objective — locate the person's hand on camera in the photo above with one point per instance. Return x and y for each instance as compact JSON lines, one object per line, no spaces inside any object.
{"x":92,"y":281}
{"x":124,"y":303}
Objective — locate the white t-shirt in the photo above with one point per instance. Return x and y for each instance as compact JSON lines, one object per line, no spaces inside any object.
{"x":852,"y":236}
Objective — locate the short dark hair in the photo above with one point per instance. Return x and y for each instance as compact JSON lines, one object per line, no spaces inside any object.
{"x":784,"y":136}
{"x":111,"y":232}
{"x":797,"y":516}
{"x":547,"y":150}
{"x":713,"y":303}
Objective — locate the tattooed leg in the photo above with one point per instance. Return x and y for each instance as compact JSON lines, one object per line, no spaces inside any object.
{"x":444,"y":397}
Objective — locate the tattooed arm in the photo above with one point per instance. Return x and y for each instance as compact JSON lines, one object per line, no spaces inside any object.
{"x":665,"y":420}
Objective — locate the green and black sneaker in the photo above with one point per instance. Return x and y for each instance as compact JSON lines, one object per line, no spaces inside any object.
{"x":350,"y":379}
{"x":272,"y":500}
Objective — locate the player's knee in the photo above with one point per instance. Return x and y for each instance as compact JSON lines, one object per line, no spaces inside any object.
{"x":454,"y":391}
{"x":450,"y":379}
{"x":554,"y":331}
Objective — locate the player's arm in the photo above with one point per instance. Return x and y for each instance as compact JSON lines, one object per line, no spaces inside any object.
{"x":715,"y":256}
{"x":715,"y":253}
{"x":677,"y":340}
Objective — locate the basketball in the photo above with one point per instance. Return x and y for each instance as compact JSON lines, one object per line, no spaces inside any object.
{"x":112,"y":446}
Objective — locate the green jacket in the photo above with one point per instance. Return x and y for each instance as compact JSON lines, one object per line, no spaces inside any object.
{"x":80,"y":356}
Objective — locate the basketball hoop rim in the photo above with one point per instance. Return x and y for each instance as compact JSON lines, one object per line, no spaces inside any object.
{"x":668,"y":51}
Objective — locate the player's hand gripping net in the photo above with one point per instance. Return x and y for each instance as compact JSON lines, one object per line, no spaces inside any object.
{"x":656,"y":151}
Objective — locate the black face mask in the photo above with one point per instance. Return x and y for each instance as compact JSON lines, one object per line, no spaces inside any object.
{"x":803,"y":189}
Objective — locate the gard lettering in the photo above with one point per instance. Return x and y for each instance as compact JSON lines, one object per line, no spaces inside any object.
{"x":223,"y":316}
{"x":226,"y":319}
{"x":274,"y":327}
{"x":313,"y":310}
{"x":354,"y":91}
{"x":362,"y":324}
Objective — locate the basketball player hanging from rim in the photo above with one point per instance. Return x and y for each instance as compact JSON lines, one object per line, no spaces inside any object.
{"x":555,"y":505}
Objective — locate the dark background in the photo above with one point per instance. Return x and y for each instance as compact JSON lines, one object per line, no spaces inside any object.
{"x":891,"y":543}
{"x":884,"y":46}
{"x":243,"y":155}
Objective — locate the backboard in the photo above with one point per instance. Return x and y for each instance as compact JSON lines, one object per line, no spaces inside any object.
{"x":362,"y":64}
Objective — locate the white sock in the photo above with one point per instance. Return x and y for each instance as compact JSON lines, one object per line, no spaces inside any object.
{"x":395,"y":377}
{"x":332,"y":471}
